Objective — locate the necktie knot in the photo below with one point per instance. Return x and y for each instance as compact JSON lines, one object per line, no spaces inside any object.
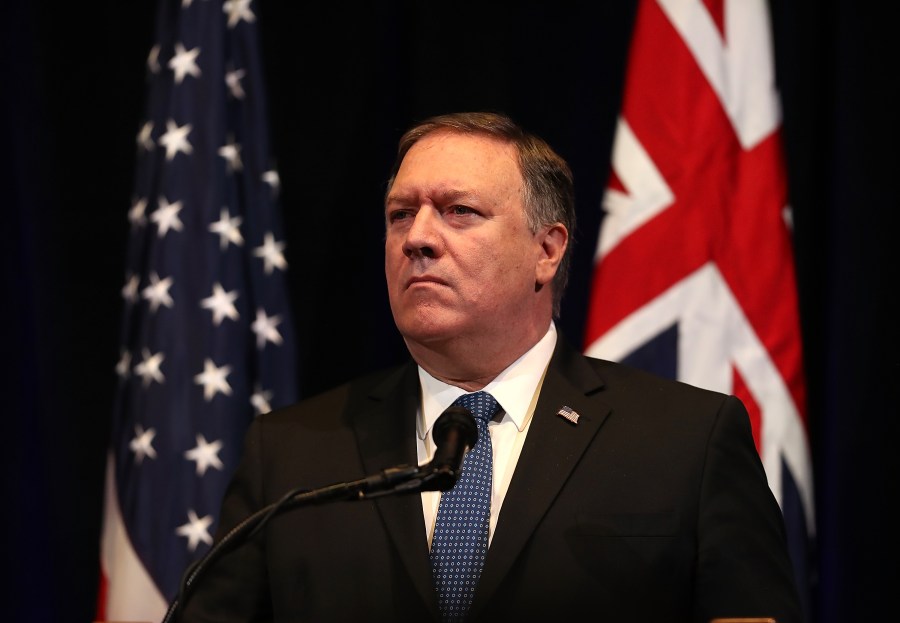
{"x":482,"y":405}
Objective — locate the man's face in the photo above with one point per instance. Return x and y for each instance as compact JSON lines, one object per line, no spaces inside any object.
{"x":460,"y":260}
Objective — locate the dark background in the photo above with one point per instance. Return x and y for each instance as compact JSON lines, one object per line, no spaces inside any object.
{"x":344,"y":81}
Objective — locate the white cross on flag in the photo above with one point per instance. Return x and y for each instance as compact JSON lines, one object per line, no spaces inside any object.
{"x":694,"y":271}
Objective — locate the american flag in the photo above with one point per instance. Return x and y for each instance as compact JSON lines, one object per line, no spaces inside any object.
{"x":694,"y":272}
{"x":207,"y":341}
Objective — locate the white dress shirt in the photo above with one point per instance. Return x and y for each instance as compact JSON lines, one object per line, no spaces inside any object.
{"x":516,"y":389}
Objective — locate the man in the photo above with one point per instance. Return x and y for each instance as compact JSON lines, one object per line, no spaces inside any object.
{"x":614,"y":495}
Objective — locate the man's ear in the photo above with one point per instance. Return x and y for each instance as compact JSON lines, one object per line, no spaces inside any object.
{"x":553,"y":240}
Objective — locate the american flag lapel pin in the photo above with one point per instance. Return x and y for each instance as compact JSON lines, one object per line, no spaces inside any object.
{"x":569,"y":413}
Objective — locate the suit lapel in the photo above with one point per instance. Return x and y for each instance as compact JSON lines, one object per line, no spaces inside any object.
{"x":385,"y":432}
{"x":552,"y":448}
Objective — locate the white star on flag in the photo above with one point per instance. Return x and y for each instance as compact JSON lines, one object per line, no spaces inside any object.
{"x":213,"y":379}
{"x":148,"y":369}
{"x":271,"y":252}
{"x":233,"y":80}
{"x":232,"y":154}
{"x":130,"y":289}
{"x":264,"y":328}
{"x":175,"y":139}
{"x":271,"y":178}
{"x":166,"y":216}
{"x":158,"y":292}
{"x":221,"y":303}
{"x":205,"y":454}
{"x":142,"y":444}
{"x":238,"y":10}
{"x":228,"y":229}
{"x":136,"y":215}
{"x":153,"y":60}
{"x":260,"y":400}
{"x":196,"y":530}
{"x":124,"y":364}
{"x":144,"y":140}
{"x":184,"y":63}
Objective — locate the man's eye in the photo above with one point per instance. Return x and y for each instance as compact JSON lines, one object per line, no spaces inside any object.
{"x":462,"y":210}
{"x":398,"y":215}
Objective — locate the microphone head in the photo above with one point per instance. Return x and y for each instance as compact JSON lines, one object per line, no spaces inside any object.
{"x":455,"y":420}
{"x":454,"y":434}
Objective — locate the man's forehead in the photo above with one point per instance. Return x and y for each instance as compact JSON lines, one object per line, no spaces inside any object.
{"x":460,"y":160}
{"x":449,"y":166}
{"x":480,"y":141}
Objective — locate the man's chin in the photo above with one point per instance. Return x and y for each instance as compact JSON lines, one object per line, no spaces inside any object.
{"x":430,"y":332}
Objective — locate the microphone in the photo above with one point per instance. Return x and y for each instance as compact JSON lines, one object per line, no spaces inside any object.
{"x":454,"y":434}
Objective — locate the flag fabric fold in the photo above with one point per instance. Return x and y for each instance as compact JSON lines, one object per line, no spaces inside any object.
{"x":206,"y":336}
{"x":694,"y":272}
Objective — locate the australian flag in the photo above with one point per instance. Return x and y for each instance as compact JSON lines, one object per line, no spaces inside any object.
{"x":206,"y":335}
{"x":694,"y":271}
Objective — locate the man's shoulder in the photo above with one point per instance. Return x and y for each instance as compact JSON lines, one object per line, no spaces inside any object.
{"x":675,"y":409}
{"x":618,"y":376}
{"x":334,"y":400}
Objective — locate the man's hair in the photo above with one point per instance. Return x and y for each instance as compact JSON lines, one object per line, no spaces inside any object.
{"x":549,"y":194}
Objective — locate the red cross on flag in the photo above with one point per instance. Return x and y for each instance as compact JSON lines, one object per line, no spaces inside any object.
{"x":694,"y":275}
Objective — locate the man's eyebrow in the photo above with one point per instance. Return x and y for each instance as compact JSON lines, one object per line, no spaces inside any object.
{"x":454,"y":194}
{"x":442,"y":195}
{"x":404,"y":198}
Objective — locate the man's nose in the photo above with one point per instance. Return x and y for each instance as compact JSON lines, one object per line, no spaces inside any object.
{"x":423,"y":237}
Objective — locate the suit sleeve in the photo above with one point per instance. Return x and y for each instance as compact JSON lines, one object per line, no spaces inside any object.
{"x":235,"y":586}
{"x":743,"y":568}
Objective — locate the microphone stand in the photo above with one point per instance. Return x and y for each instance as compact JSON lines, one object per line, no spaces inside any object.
{"x":394,"y":480}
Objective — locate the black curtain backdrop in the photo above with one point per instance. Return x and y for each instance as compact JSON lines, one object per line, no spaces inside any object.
{"x":344,"y":81}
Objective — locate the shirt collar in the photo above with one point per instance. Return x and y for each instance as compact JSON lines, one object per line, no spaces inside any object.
{"x":514,"y":388}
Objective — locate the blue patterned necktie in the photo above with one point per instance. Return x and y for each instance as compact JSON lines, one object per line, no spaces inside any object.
{"x":460,"y":541}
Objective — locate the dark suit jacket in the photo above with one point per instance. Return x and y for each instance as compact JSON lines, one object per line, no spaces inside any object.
{"x":653,"y":507}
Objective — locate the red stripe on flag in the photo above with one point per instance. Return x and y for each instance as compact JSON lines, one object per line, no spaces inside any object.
{"x":102,"y":593}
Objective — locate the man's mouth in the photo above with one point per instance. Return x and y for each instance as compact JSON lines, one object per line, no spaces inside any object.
{"x":423,"y":280}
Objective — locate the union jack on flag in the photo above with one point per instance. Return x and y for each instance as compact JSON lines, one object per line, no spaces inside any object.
{"x":694,"y":271}
{"x":207,"y":341}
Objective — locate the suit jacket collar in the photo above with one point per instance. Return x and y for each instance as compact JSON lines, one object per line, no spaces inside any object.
{"x":552,"y":449}
{"x":385,"y":433}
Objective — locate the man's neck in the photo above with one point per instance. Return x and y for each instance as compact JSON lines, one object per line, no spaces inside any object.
{"x":472,"y":364}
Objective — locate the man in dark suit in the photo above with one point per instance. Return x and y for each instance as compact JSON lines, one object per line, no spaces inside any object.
{"x":615,"y":495}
